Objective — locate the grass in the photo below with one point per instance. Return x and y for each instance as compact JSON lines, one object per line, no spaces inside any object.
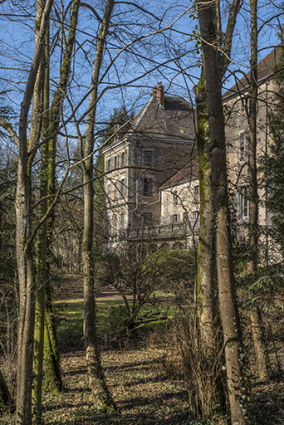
{"x":70,"y":316}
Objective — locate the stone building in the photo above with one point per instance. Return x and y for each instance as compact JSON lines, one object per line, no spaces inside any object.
{"x":236,"y":102}
{"x":159,"y":143}
{"x":152,"y":171}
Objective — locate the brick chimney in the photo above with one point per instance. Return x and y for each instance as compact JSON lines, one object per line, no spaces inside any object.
{"x":158,"y":90}
{"x":160,"y":95}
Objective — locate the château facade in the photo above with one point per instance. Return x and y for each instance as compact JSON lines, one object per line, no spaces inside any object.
{"x":159,"y":143}
{"x":151,"y":181}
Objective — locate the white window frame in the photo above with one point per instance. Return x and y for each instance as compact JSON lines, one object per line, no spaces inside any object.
{"x":244,"y":202}
{"x":175,"y":197}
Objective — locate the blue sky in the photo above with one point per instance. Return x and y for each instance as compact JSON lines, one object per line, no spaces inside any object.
{"x":137,"y":67}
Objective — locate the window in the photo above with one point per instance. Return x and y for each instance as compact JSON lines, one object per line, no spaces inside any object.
{"x":147,"y":219}
{"x":114,"y":192}
{"x":115,"y":162}
{"x":174,"y":218}
{"x":245,"y":202}
{"x":122,"y":220}
{"x":149,"y":158}
{"x":147,"y":188}
{"x":108,"y":165}
{"x":243,"y":146}
{"x":196,"y":215}
{"x":175,"y":196}
{"x":185,"y":216}
{"x":196,"y":190}
{"x":122,"y":187}
{"x":123,"y":159}
{"x":245,"y":103}
{"x":114,"y":223}
{"x":108,"y":190}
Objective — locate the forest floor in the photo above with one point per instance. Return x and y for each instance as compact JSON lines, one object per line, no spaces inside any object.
{"x":142,"y":375}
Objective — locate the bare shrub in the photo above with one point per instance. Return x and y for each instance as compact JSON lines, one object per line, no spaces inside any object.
{"x":201,"y":368}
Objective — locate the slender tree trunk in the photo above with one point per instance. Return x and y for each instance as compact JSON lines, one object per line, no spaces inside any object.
{"x":207,"y":294}
{"x":24,"y":251}
{"x":259,"y":345}
{"x":41,"y":263}
{"x":96,"y":377}
{"x":206,"y":266}
{"x":226,"y":289}
{"x":26,"y":295}
{"x":53,"y":377}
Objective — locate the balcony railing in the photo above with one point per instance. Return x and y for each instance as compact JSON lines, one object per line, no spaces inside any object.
{"x":167,"y":231}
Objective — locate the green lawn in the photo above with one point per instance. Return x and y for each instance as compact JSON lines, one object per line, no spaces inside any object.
{"x":109,"y":311}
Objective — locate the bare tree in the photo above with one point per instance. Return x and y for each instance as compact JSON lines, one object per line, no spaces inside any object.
{"x":221,"y":218}
{"x":95,"y":372}
{"x":27,"y":148}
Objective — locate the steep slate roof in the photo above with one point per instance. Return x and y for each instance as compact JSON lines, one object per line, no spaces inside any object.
{"x":188,"y":173}
{"x":266,"y":68}
{"x":174,"y":119}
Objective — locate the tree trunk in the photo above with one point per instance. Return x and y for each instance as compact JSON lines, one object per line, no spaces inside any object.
{"x":226,"y":289}
{"x":41,"y":260}
{"x":24,"y":250}
{"x":206,"y":267}
{"x":207,"y":295}
{"x":259,"y":345}
{"x":207,"y":298}
{"x":96,"y":377}
{"x":26,"y":294}
{"x":53,"y":379}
